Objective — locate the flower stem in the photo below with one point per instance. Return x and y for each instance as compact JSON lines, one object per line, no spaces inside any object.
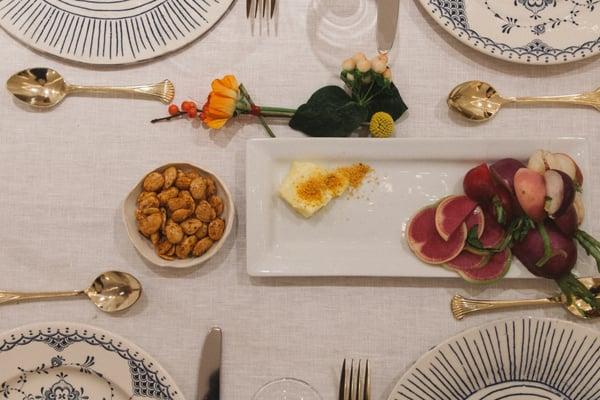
{"x":170,"y":117}
{"x":260,"y":117}
{"x":277,"y":112}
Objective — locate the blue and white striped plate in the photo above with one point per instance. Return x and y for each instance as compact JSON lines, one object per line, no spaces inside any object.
{"x":109,"y":31}
{"x":515,"y":359}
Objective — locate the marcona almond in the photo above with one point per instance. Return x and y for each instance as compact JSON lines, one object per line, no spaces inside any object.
{"x":150,"y":210}
{"x":176,"y":203}
{"x":173,"y":232}
{"x":202,"y":232}
{"x":182,"y":181}
{"x":164,"y":247}
{"x":211,"y":187}
{"x":170,"y":175}
{"x":163,"y":212}
{"x":189,"y":200}
{"x":204,"y":212}
{"x":150,"y":224}
{"x":216,"y":229}
{"x":166,"y":256}
{"x":198,"y":188}
{"x":184,"y":249}
{"x":143,"y":195}
{"x":202,"y":246}
{"x":149,"y":202}
{"x":168,"y":194}
{"x":154,"y":238}
{"x":181,"y":215}
{"x":154,"y":182}
{"x":192,"y":174}
{"x":191,"y":226}
{"x":217,"y":203}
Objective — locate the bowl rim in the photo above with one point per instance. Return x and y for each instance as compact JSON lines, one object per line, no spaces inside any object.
{"x":179,"y":263}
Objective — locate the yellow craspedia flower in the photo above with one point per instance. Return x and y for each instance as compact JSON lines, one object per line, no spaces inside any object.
{"x":381,"y":125}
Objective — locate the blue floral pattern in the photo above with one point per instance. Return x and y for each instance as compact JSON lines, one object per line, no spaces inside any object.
{"x":146,"y":380}
{"x":453,"y":16}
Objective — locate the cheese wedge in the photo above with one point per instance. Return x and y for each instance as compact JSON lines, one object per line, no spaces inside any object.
{"x":304,"y":188}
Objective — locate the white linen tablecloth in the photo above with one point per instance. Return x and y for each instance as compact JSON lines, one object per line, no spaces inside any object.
{"x":65,"y":172}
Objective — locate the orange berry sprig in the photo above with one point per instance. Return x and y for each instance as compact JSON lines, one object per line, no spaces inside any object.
{"x":188,"y":107}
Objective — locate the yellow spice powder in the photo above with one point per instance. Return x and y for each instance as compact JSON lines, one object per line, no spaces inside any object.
{"x":312,"y":189}
{"x":355,"y":173}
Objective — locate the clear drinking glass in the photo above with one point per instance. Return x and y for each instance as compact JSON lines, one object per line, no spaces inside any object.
{"x":286,"y":389}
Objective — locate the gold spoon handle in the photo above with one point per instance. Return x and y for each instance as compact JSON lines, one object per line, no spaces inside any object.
{"x":586,"y":99}
{"x":14,"y":297}
{"x":164,"y":91}
{"x":462,"y":306}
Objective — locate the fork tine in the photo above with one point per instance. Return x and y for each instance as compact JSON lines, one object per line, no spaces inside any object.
{"x":367,"y":394}
{"x":342,"y":387}
{"x":352,"y":381}
{"x":248,"y":8}
{"x":264,"y":8}
{"x":273,"y":4}
{"x":359,"y":382}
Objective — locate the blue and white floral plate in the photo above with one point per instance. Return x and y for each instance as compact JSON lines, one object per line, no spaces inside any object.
{"x":109,"y":31}
{"x":523,"y":31}
{"x":516,"y":359}
{"x":64,"y":361}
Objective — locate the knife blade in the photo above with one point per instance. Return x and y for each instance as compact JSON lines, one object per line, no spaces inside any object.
{"x":209,"y":376}
{"x":387,"y":22}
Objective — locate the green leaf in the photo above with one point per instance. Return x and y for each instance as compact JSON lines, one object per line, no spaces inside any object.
{"x":387,"y":100}
{"x":330,"y":111}
{"x":473,"y":238}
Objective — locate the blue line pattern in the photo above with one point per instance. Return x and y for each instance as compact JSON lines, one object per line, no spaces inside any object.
{"x":451,"y":14}
{"x":513,"y":359}
{"x":146,"y":381}
{"x":109,"y":31}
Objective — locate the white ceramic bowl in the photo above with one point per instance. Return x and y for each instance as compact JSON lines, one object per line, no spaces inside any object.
{"x":145,"y":247}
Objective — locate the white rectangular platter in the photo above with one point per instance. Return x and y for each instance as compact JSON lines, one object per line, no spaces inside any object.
{"x":364,"y":235}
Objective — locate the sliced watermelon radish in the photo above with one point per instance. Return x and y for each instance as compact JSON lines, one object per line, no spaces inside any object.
{"x":495,"y":269}
{"x":451,"y":213}
{"x":466,"y":261}
{"x":493,"y":235}
{"x":476,"y":218}
{"x":427,"y":244}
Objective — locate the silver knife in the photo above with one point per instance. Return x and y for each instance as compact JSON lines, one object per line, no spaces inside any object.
{"x":209,"y":376}
{"x":387,"y":22}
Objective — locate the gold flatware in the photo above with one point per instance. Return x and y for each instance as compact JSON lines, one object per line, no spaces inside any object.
{"x":355,"y":382}
{"x":479,"y":101}
{"x":262,"y":9}
{"x":461,"y":306}
{"x":111,"y":291}
{"x":45,"y":88}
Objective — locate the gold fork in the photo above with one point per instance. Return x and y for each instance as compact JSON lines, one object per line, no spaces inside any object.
{"x":263,"y":9}
{"x":355,"y":381}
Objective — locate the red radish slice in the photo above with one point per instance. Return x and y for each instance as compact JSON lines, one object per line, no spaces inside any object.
{"x":451,"y":213}
{"x":427,"y":244}
{"x":492,"y":236}
{"x":476,"y":218}
{"x":466,"y":261}
{"x":495,"y":269}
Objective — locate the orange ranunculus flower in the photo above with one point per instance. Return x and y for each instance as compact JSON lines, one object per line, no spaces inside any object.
{"x":221,"y":103}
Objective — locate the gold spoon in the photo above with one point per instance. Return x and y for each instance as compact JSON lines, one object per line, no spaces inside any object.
{"x":111,"y":292}
{"x":461,"y":306}
{"x":479,"y":101}
{"x":45,"y":88}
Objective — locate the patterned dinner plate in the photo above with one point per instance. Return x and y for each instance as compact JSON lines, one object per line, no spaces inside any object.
{"x":109,"y":31}
{"x":64,"y":361}
{"x":516,"y":359}
{"x":523,"y":31}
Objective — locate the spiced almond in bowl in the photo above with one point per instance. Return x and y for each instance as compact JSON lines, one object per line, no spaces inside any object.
{"x":178,"y":215}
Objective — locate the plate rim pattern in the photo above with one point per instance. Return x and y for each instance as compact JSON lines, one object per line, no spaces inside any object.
{"x":536,"y":52}
{"x":162,"y":29}
{"x":445,"y":376}
{"x":60,"y":335}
